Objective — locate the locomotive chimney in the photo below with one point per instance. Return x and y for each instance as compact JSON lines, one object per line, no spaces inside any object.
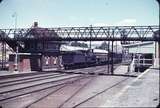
{"x":35,"y":24}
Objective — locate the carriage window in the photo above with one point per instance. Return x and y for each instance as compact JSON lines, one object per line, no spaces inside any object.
{"x":46,"y":60}
{"x":39,"y":46}
{"x":55,"y":60}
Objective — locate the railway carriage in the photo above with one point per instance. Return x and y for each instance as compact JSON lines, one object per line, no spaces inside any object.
{"x":101,"y":56}
{"x":117,"y":57}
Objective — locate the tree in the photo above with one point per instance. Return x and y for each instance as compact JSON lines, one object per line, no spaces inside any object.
{"x":79,"y":44}
{"x":84,"y":45}
{"x":104,"y":46}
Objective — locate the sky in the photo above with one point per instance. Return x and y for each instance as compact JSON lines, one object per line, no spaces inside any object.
{"x":59,"y":13}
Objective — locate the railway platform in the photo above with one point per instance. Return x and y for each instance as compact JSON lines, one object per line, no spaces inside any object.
{"x":141,"y":92}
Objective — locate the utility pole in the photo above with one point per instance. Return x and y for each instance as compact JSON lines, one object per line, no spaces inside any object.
{"x":157,"y":44}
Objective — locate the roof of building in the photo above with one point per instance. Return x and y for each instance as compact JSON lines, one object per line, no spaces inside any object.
{"x":73,"y":48}
{"x":138,"y":44}
{"x":37,"y":31}
{"x":99,"y":51}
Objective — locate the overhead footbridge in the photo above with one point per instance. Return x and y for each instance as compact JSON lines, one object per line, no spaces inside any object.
{"x":108,"y":33}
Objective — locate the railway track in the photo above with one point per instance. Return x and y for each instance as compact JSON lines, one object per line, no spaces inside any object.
{"x":46,"y":84}
{"x":99,"y":93}
{"x":13,"y":88}
{"x":88,"y":70}
{"x":84,"y":77}
{"x":16,"y":75}
{"x":27,"y":80}
{"x":23,"y":77}
{"x":86,"y":99}
{"x":61,"y":105}
{"x":92,"y":70}
{"x":20,"y":89}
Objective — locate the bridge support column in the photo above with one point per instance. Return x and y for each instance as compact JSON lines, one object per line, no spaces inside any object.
{"x":108,"y":57}
{"x":112,"y":60}
{"x":157,"y":55}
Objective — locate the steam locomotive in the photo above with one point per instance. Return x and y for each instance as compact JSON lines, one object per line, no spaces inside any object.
{"x":73,"y":57}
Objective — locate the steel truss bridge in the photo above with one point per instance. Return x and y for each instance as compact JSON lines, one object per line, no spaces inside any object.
{"x":125,"y":34}
{"x":108,"y":33}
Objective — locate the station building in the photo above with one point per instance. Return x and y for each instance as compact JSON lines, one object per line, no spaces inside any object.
{"x":37,"y":55}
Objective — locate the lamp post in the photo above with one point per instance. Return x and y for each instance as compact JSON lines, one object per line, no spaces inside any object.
{"x":15,"y":16}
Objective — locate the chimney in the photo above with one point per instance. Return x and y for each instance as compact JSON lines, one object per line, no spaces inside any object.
{"x":35,"y":24}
